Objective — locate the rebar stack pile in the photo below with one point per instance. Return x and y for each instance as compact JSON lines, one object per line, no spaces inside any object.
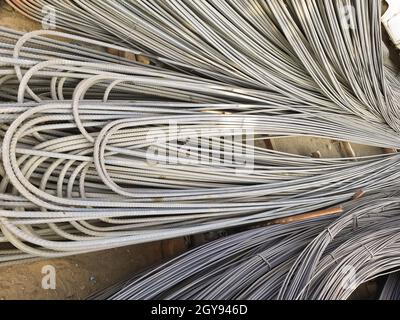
{"x":325,"y":258}
{"x":77,"y":124}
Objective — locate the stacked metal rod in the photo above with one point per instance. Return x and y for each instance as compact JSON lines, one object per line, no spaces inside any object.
{"x":78,"y":170}
{"x":77,"y":123}
{"x":261,"y":263}
{"x":203,"y":269}
{"x":326,"y":53}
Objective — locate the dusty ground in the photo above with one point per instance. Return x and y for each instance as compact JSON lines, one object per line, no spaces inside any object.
{"x":11,"y":19}
{"x":80,"y":276}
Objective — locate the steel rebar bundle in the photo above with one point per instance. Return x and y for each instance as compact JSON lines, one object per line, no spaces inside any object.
{"x":260,"y":263}
{"x":326,"y":53}
{"x":77,"y":124}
